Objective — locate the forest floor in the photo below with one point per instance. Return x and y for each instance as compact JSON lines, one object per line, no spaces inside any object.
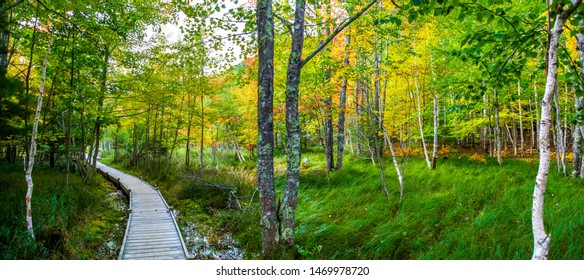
{"x":85,"y":220}
{"x":469,"y":208}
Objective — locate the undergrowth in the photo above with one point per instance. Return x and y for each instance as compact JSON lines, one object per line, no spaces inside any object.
{"x":75,"y":222}
{"x":466,"y":209}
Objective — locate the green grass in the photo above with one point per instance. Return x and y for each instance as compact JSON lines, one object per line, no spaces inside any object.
{"x":462,"y":210}
{"x":72,"y":222}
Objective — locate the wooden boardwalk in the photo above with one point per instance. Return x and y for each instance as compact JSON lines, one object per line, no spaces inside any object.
{"x":152,"y":232}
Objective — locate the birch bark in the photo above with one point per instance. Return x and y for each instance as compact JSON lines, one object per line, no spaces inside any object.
{"x":33,"y":145}
{"x":541,"y":240}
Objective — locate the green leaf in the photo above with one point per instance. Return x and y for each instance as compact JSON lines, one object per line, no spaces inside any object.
{"x":396,"y":20}
{"x":465,"y":40}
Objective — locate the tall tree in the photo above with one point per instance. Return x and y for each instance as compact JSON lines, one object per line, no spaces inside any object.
{"x":287,"y":208}
{"x":265,"y":22}
{"x":33,"y":144}
{"x":541,"y":240}
{"x":342,"y":107}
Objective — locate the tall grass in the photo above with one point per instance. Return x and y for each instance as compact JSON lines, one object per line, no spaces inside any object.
{"x":466,"y":209}
{"x":462,"y":210}
{"x":70,"y":222}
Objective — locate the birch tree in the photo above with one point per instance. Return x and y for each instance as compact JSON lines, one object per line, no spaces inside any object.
{"x":541,"y":239}
{"x":579,"y":104}
{"x":33,"y":144}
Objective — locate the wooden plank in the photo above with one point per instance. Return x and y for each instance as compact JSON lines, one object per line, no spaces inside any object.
{"x":154,"y":246}
{"x":136,"y":244}
{"x":157,"y":255}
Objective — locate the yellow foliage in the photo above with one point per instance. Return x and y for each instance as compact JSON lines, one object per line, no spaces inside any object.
{"x":569,"y":157}
{"x":443,"y":151}
{"x":477,"y":158}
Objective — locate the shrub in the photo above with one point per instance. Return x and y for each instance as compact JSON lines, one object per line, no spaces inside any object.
{"x":477,"y":158}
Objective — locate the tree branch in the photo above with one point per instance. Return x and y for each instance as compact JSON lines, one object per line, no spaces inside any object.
{"x":285,"y":23}
{"x":501,"y":16}
{"x":335,"y":32}
{"x":10,"y":6}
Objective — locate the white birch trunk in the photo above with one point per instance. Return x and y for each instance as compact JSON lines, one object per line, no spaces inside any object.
{"x":419,"y":107}
{"x":541,"y":240}
{"x":398,"y":170}
{"x":560,"y":148}
{"x":436,"y":112}
{"x":578,"y":103}
{"x":436,"y":124}
{"x":520,"y":116}
{"x":497,"y":129}
{"x":537,"y":111}
{"x":33,"y":145}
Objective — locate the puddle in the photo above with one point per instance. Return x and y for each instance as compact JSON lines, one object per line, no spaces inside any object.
{"x":205,"y":243}
{"x":117,"y":200}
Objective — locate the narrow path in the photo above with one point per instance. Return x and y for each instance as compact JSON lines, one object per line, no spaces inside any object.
{"x":152,"y":232}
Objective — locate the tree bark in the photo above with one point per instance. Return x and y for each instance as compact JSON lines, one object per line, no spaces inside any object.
{"x":420,"y":121}
{"x":27,"y":85}
{"x":541,"y":240}
{"x":33,"y":145}
{"x":100,"y":103}
{"x":188,"y":144}
{"x":579,"y":104}
{"x":4,"y":40}
{"x":497,"y":128}
{"x":521,"y":146}
{"x":268,"y":221}
{"x":436,"y":124}
{"x":328,"y":116}
{"x":560,"y":148}
{"x":202,"y":136}
{"x":287,"y":208}
{"x":342,"y":106}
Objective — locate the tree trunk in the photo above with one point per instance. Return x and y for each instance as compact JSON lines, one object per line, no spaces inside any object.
{"x":328,"y":116}
{"x":4,"y":40}
{"x":521,"y":146}
{"x":265,"y":144}
{"x":398,"y":170}
{"x":287,"y":208}
{"x":342,"y":106}
{"x":497,"y":128}
{"x":537,"y":112}
{"x":188,"y":146}
{"x":33,"y":145}
{"x":436,"y":124}
{"x":579,"y":104}
{"x":202,"y":136}
{"x":100,"y":103}
{"x":541,"y":240}
{"x":372,"y":117}
{"x":27,"y":85}
{"x":420,"y":121}
{"x":560,"y":149}
{"x":70,"y":110}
